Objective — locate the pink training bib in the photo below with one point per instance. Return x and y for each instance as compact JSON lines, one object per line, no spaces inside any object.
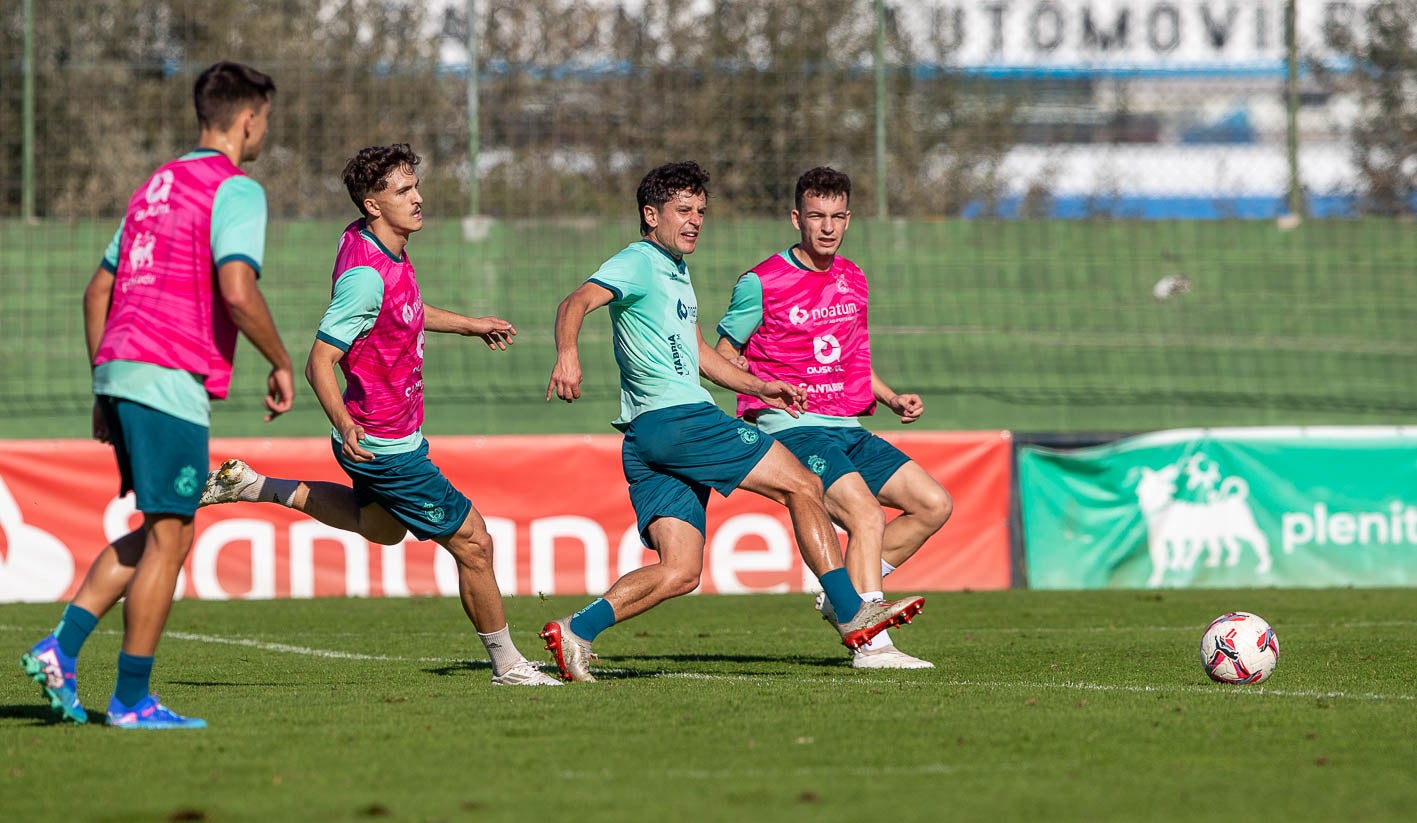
{"x":166,"y":308}
{"x":814,"y":332}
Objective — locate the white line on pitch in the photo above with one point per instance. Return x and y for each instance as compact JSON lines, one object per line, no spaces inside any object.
{"x":1065,"y":685}
{"x":799,"y":771}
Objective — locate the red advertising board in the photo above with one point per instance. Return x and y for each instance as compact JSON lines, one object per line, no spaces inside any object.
{"x":556,"y":506}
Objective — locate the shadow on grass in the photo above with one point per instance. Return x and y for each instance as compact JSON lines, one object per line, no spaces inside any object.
{"x":747,"y":661}
{"x":234,"y":683}
{"x":37,"y":713}
{"x":720,"y":665}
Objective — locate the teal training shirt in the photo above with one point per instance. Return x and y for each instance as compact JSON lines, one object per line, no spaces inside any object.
{"x":354,"y":306}
{"x":745,"y":311}
{"x":238,"y":233}
{"x":654,"y":319}
{"x":743,"y":317}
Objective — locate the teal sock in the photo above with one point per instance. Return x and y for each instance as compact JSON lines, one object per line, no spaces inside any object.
{"x":74,"y":628}
{"x":593,"y":619}
{"x":844,"y":599}
{"x":134,"y":676}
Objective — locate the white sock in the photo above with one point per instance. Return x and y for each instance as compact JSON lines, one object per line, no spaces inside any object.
{"x":271,"y":490}
{"x":886,"y":568}
{"x":883,"y":639}
{"x":501,"y":649}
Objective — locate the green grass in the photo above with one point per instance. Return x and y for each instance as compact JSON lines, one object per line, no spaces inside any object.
{"x":1027,"y":325}
{"x":1050,"y":706}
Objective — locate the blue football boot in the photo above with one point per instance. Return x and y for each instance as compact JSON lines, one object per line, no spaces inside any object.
{"x":149,"y":714}
{"x":53,"y":670}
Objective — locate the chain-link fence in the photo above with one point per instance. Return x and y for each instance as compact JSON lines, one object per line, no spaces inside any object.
{"x":1042,"y":164}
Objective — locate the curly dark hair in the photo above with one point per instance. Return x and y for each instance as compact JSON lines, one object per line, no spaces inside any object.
{"x":662,"y":183}
{"x":822,"y":181}
{"x":224,"y":89}
{"x":368,"y":171}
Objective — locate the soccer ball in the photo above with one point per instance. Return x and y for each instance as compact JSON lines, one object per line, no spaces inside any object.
{"x":1239,"y":647}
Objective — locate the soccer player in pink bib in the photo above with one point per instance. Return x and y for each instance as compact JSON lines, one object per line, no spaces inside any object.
{"x":373,"y":332}
{"x":801,"y":316}
{"x":161,"y":316}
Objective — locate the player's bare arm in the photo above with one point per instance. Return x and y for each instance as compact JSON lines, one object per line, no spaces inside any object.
{"x":776,"y":393}
{"x":253,"y":317}
{"x":732,"y":353}
{"x":570,"y":316}
{"x":320,"y":373}
{"x":909,"y":406}
{"x":494,"y":331}
{"x":97,"y":298}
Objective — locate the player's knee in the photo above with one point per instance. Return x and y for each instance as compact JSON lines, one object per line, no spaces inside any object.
{"x":680,"y":582}
{"x":864,"y":519}
{"x":472,"y":548}
{"x":803,"y":484}
{"x":937,"y":507}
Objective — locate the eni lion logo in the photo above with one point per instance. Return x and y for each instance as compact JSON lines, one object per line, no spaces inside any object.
{"x":1211,"y":519}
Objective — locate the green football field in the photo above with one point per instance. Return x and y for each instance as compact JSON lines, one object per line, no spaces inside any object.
{"x":1025,"y":325}
{"x":1044,"y":706}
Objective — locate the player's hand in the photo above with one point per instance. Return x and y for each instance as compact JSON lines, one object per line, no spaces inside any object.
{"x":351,"y":448}
{"x":280,"y":392}
{"x":783,"y":395}
{"x":100,"y":424}
{"x":494,"y":331}
{"x":908,"y":406}
{"x":740,"y":361}
{"x":565,"y":380}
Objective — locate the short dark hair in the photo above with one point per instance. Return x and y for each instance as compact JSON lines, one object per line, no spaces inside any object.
{"x":368,"y":171}
{"x":224,"y":89}
{"x":822,"y":181}
{"x":662,"y":183}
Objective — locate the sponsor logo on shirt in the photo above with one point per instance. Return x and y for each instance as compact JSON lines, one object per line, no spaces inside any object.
{"x":835,"y":312}
{"x":159,"y":187}
{"x":826,"y":349}
{"x":676,"y":343}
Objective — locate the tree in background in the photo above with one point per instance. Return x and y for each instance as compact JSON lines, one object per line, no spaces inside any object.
{"x":577,"y":99}
{"x":114,"y":92}
{"x":1382,"y":50}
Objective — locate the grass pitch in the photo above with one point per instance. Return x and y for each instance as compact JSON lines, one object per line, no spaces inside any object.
{"x":1022,"y":325}
{"x":1050,"y":706}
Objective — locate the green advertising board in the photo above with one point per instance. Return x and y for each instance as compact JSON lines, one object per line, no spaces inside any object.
{"x":1220,"y":508}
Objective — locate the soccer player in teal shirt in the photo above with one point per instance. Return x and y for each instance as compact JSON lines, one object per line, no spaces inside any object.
{"x":678,"y":445}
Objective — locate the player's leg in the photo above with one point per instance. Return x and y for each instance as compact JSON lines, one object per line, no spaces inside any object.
{"x":925,"y":507}
{"x":680,"y":546}
{"x":671,"y":515}
{"x":471,"y":546}
{"x":168,"y":457}
{"x":107,"y":579}
{"x":780,"y":476}
{"x":145,"y":610}
{"x":333,"y":504}
{"x":855,"y":508}
{"x":406,"y":491}
{"x":53,"y":661}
